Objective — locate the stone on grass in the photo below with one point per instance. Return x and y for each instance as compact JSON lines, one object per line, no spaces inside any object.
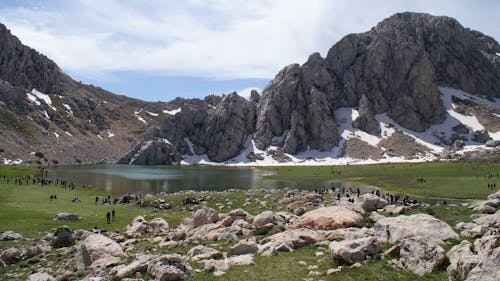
{"x":419,"y":255}
{"x":137,"y":227}
{"x":67,"y":217}
{"x":201,"y":252}
{"x":97,"y":251}
{"x":40,"y":276}
{"x":371,"y":202}
{"x":10,"y":235}
{"x":169,"y":268}
{"x":329,"y":218}
{"x":352,"y":251}
{"x":395,"y":229}
{"x":11,"y":255}
{"x":243,"y":247}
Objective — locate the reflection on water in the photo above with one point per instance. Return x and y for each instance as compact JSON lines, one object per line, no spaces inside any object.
{"x":119,"y":179}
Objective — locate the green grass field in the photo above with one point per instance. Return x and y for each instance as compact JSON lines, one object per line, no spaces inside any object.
{"x":455,"y":180}
{"x":27,"y":209}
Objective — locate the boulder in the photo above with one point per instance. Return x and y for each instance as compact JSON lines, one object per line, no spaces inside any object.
{"x":67,"y":217}
{"x":243,"y":247}
{"x":395,"y":229}
{"x":215,"y":266}
{"x":371,"y":202}
{"x":137,"y":227}
{"x":462,"y":261}
{"x":488,"y":268}
{"x":204,"y":215}
{"x":419,"y":255}
{"x":140,"y":264}
{"x":169,"y":268}
{"x":201,"y":252}
{"x":97,"y":251}
{"x":10,"y":235}
{"x":158,"y":225}
{"x":329,"y":218}
{"x":296,"y":237}
{"x":240,"y":260}
{"x":394,"y":210}
{"x":33,"y":251}
{"x":40,"y":276}
{"x":491,"y":220}
{"x":11,"y":255}
{"x":352,"y":251}
{"x":63,"y":237}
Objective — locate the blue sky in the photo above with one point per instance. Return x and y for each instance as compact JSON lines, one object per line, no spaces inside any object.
{"x":160,"y":49}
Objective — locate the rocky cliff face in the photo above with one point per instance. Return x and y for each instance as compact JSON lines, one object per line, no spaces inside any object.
{"x":47,"y":118}
{"x":393,"y":70}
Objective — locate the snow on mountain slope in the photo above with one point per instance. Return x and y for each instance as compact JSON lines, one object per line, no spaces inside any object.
{"x":436,"y":138}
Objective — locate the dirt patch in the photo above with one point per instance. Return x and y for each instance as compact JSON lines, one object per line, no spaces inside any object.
{"x":359,"y":149}
{"x":399,"y":144}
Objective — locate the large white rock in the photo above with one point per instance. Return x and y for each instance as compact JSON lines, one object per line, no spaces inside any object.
{"x":352,"y":251}
{"x":329,"y":218}
{"x":169,"y":268}
{"x":140,"y":264}
{"x":10,"y":235}
{"x":395,"y":229}
{"x":204,"y":215}
{"x":462,"y":261}
{"x":40,"y":276}
{"x":371,"y":202}
{"x":243,"y":247}
{"x":158,"y":225}
{"x":137,"y":227}
{"x":97,"y":250}
{"x":419,"y":255}
{"x":201,"y":252}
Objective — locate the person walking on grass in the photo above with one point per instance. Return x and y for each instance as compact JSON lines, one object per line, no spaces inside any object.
{"x":108,"y":218}
{"x":113,"y":214}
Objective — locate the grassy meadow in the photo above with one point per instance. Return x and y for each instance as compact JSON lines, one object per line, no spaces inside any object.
{"x":454,"y":180}
{"x":27,"y":209}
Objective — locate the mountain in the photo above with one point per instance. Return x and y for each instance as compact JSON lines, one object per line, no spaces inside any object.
{"x":415,"y":86}
{"x":48,"y":118}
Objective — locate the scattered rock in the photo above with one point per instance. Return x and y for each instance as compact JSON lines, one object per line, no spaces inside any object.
{"x":329,"y":218}
{"x":169,"y":268}
{"x":351,"y":251}
{"x":67,"y":217}
{"x":158,"y":225}
{"x":201,"y":252}
{"x":204,"y":215}
{"x":395,"y":229}
{"x":40,"y":277}
{"x":462,"y":261}
{"x":97,"y":250}
{"x":11,"y":255}
{"x":10,"y":235}
{"x":240,"y":260}
{"x":371,"y":202}
{"x":140,"y":264}
{"x":63,"y":237}
{"x":137,"y":227}
{"x":419,"y":255}
{"x":243,"y":247}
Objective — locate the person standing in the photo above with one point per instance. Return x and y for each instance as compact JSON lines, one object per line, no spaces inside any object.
{"x":113,"y":214}
{"x":108,"y":218}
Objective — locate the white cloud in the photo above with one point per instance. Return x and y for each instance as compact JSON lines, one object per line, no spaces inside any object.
{"x":245,"y":93}
{"x":217,"y":38}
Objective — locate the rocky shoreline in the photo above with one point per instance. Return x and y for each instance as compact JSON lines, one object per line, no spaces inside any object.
{"x":348,"y":231}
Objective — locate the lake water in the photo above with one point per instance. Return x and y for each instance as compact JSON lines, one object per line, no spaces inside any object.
{"x":120,"y":179}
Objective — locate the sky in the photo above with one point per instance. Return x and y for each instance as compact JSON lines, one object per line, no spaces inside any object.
{"x":157,"y":50}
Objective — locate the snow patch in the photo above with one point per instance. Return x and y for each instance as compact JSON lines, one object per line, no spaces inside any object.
{"x":68,"y":133}
{"x":7,"y":161}
{"x":32,"y":98}
{"x":56,"y":134}
{"x":100,"y":137}
{"x":42,"y":96}
{"x":110,"y":134}
{"x":68,"y":108}
{"x":172,"y":112}
{"x":136,"y":113}
{"x":152,"y":113}
{"x":46,"y":114}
